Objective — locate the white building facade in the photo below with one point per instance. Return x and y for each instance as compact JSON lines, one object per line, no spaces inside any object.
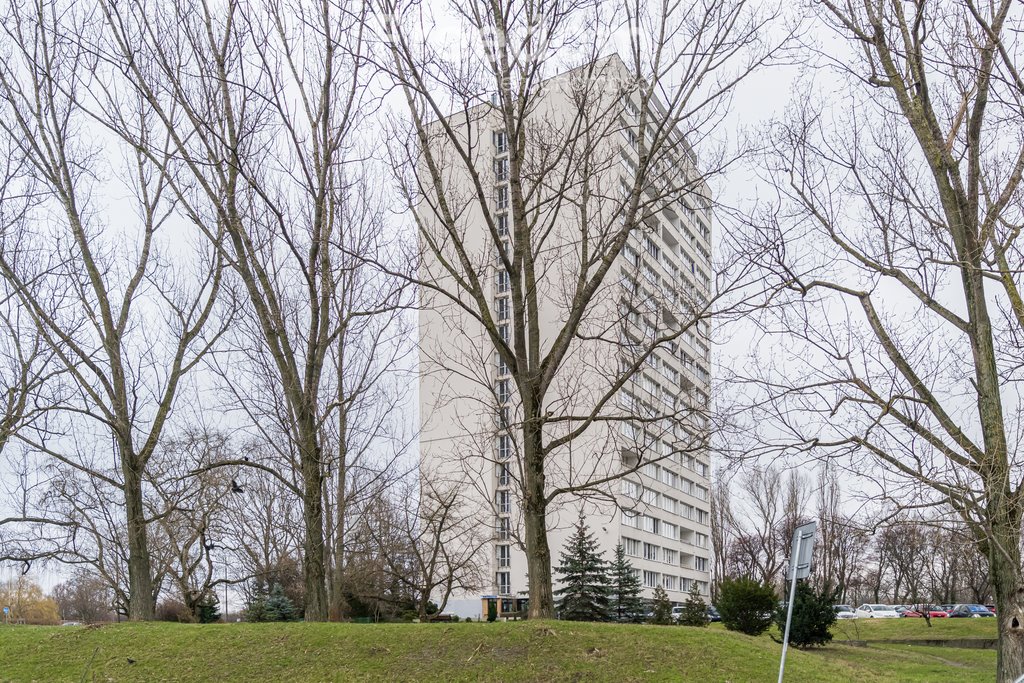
{"x":648,"y":453}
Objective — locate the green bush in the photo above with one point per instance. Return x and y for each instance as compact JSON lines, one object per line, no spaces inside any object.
{"x":746,"y":606}
{"x":813,"y":615}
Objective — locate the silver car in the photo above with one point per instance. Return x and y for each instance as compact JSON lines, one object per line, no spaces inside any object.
{"x":844,"y":612}
{"x":867,"y":611}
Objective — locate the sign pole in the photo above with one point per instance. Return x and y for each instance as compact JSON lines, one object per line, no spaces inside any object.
{"x":799,"y":568}
{"x":789,"y":619}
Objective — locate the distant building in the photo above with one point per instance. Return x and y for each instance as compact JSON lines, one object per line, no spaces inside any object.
{"x":468,"y":403}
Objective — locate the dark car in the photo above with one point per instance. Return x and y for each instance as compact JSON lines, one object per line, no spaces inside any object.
{"x":713,"y":614}
{"x":971,"y":611}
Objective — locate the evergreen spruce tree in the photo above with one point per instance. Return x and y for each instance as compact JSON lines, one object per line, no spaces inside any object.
{"x":583,"y":573}
{"x":695,"y":610}
{"x":661,"y":609}
{"x":209,"y":609}
{"x":256,"y":605}
{"x":625,"y":603}
{"x":278,"y":606}
{"x":813,"y":616}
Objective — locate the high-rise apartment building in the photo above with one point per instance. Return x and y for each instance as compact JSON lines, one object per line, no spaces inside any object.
{"x":648,"y":328}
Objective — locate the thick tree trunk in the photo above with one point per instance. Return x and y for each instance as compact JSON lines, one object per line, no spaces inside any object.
{"x":314,"y":569}
{"x":538,"y":553}
{"x":141,"y":603}
{"x":1009,"y":596}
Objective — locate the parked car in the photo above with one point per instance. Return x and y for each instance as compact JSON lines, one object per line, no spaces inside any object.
{"x":844,"y":612}
{"x":991,"y":608}
{"x":867,"y":611}
{"x":933,"y":611}
{"x":971,"y":611}
{"x":677,"y":612}
{"x":713,"y":614}
{"x":908,"y":612}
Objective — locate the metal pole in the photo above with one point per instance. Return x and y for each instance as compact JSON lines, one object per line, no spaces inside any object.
{"x":789,"y":617}
{"x":225,"y":589}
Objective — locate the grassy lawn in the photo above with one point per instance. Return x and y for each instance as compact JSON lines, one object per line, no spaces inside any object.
{"x":917,"y":629}
{"x":524,"y":651}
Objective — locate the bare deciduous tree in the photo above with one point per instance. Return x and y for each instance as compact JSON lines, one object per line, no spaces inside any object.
{"x":120,"y":305}
{"x":898,"y":235}
{"x":567,"y":220}
{"x":264,"y":152}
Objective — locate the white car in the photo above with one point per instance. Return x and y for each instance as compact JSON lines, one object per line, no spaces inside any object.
{"x":877,"y":612}
{"x":844,"y":612}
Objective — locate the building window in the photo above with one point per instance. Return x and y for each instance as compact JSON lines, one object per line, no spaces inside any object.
{"x":501,"y":169}
{"x":652,"y":497}
{"x":504,"y":475}
{"x":630,"y":519}
{"x":668,"y":582}
{"x":503,"y":333}
{"x":632,"y":547}
{"x":651,"y":579}
{"x":653,"y":249}
{"x":504,"y":308}
{"x":700,"y":564}
{"x":501,"y":142}
{"x":503,"y":368}
{"x":502,"y":224}
{"x":651,"y":552}
{"x":501,"y":198}
{"x":504,"y":502}
{"x":504,"y":581}
{"x":504,"y":447}
{"x":504,"y":528}
{"x":504,"y":556}
{"x":669,"y":556}
{"x":504,"y":282}
{"x":504,"y":390}
{"x":501,"y":252}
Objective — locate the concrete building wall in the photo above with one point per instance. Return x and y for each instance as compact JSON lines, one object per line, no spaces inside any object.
{"x":660,"y":513}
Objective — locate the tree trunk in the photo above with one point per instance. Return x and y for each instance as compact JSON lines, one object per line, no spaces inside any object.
{"x":313,"y":564}
{"x":538,"y":553}
{"x":1005,"y":571}
{"x":141,"y":602}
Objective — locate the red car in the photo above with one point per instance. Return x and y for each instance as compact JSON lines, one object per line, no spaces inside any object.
{"x":933,"y":612}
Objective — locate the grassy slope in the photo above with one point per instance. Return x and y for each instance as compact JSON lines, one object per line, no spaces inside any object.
{"x":941,"y":629}
{"x":525,"y":651}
